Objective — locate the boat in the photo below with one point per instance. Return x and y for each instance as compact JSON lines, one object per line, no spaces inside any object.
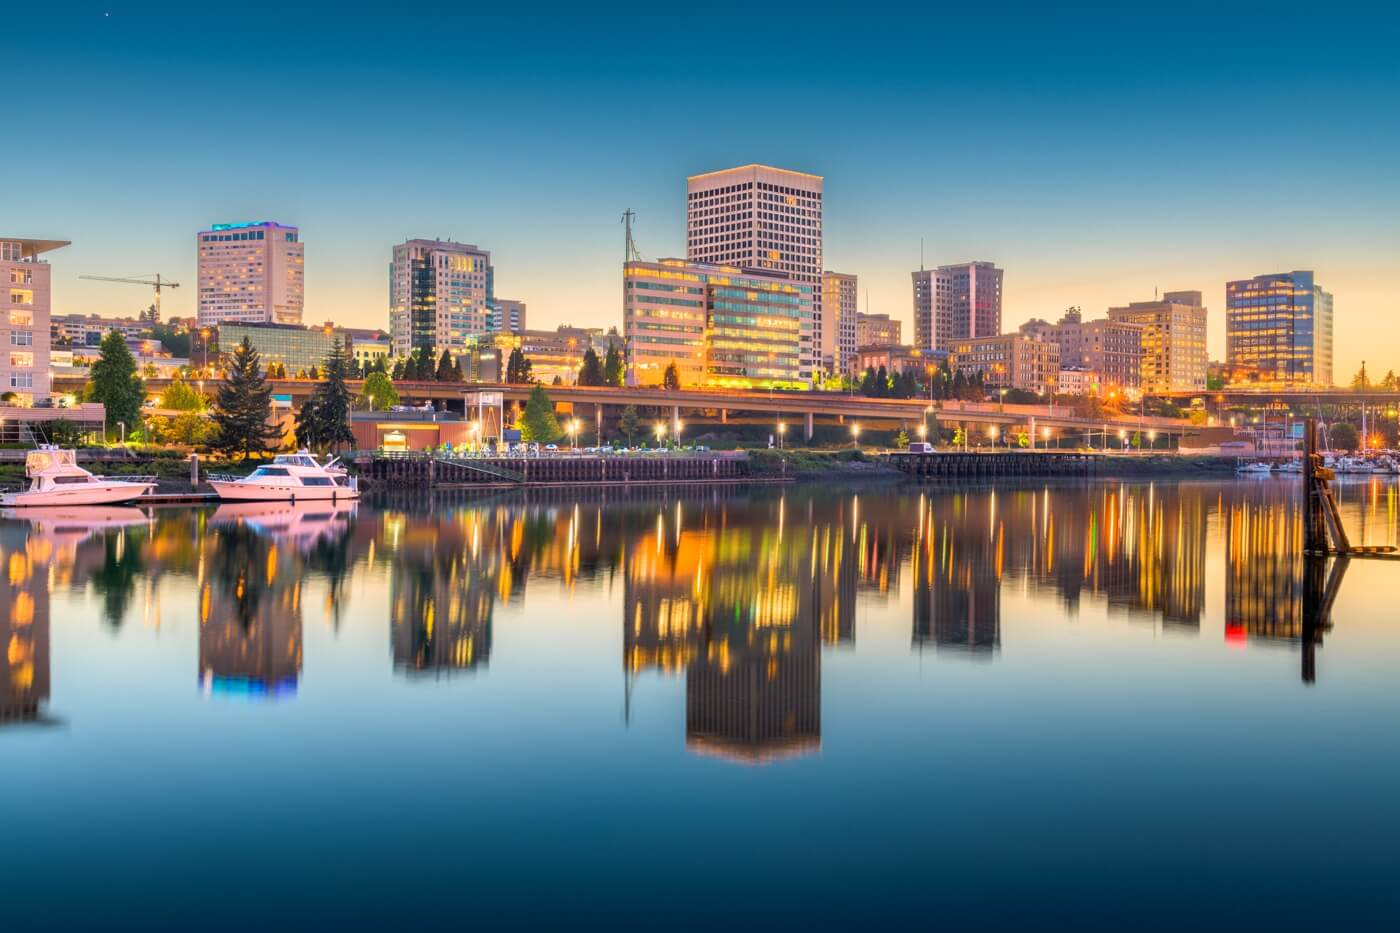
{"x":294,"y":477}
{"x":1358,"y":465}
{"x":1255,"y":468}
{"x":56,"y":479}
{"x":1294,"y":465}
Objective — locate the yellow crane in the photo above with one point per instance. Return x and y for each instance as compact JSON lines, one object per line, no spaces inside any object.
{"x":156,"y":282}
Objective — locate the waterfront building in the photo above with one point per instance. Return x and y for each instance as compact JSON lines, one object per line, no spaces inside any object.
{"x":1173,"y":340}
{"x":1008,"y":361}
{"x":761,"y":217}
{"x":877,"y":330}
{"x":440,"y":296}
{"x":956,"y":302}
{"x":1111,"y":350}
{"x":252,"y":273}
{"x":897,"y":360}
{"x":26,"y":304}
{"x":1279,"y":326}
{"x":28,"y":557}
{"x":839,"y":313}
{"x":295,"y":347}
{"x":722,"y":326}
{"x":87,"y":330}
{"x":505,"y":315}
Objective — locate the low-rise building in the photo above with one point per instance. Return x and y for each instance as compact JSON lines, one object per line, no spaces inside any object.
{"x":877,"y":330}
{"x":1009,"y":361}
{"x":87,"y":330}
{"x":896,"y":360}
{"x":1110,"y":349}
{"x":1074,"y":381}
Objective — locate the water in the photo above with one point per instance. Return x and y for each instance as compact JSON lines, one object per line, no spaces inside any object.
{"x":1104,"y":705}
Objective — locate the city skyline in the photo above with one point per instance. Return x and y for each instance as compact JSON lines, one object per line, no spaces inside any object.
{"x":1093,"y":181}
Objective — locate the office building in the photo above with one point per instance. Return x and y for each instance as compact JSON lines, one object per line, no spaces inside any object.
{"x":1173,"y":341}
{"x":1279,"y":328}
{"x":896,"y":359}
{"x":1008,"y":361}
{"x":956,"y":302}
{"x":1110,"y":351}
{"x":760,"y":217}
{"x":839,"y":314}
{"x":721,"y":326}
{"x":250,"y":272}
{"x":553,"y":354}
{"x":505,"y":316}
{"x":87,"y":330}
{"x":877,"y":330}
{"x":366,"y":345}
{"x":440,"y":296}
{"x":26,"y":304}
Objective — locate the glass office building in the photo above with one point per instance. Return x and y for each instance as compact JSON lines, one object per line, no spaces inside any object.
{"x":1278,"y":329}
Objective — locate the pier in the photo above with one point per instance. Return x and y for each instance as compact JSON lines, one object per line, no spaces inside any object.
{"x":1010,"y":463}
{"x":433,"y":470}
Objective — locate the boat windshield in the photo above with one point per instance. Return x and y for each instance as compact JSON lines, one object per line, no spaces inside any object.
{"x":269,"y":471}
{"x":301,"y":460}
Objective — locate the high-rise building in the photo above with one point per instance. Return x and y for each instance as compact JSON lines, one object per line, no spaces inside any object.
{"x":839,"y":315}
{"x":877,"y":330}
{"x":956,"y":302}
{"x":1173,"y":340}
{"x":760,"y":217}
{"x":721,"y":326}
{"x":440,"y":296}
{"x":251,"y":272}
{"x":25,"y":304}
{"x":1279,"y":328}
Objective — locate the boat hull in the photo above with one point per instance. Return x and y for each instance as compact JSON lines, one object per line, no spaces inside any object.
{"x":270,"y":492}
{"x":82,"y":494}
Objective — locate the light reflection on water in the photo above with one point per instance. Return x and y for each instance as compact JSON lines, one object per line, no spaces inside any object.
{"x":592,"y":667}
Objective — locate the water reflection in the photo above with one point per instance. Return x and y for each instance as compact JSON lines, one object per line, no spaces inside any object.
{"x":740,"y":594}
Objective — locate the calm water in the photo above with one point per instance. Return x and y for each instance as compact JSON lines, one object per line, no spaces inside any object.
{"x":813,"y":707}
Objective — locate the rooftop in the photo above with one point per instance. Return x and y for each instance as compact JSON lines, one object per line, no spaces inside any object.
{"x":751,"y":167}
{"x":31,"y":247}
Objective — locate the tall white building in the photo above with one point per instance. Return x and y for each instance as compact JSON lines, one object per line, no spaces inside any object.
{"x":839,"y":312}
{"x":441,"y":296}
{"x":760,"y":217}
{"x":251,"y":273}
{"x":26,"y":306}
{"x":956,"y":302}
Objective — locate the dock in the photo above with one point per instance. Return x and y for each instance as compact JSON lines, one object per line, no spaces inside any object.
{"x":440,"y":471}
{"x":979,"y":465}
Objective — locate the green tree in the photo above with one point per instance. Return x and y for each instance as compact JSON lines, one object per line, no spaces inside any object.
{"x":1344,"y":436}
{"x":518,"y":368}
{"x":447,"y":371}
{"x":901,"y":440}
{"x":671,"y":378}
{"x":324,"y":420}
{"x":1360,"y":382}
{"x":630,"y":423}
{"x":614,"y":368}
{"x":64,"y":433}
{"x":959,"y":436}
{"x":181,"y":396}
{"x":189,"y":428}
{"x":243,"y":407}
{"x":400,"y":367}
{"x":379,"y":392}
{"x":114,"y":383}
{"x":538,"y":422}
{"x":591,"y":372}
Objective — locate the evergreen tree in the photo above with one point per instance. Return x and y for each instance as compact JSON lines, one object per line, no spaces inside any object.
{"x":1360,"y":382}
{"x":399,"y":368}
{"x":420,"y":365}
{"x":867,"y":382}
{"x":591,"y":372}
{"x":444,"y":372}
{"x":538,"y":422}
{"x":324,"y":421}
{"x":113,"y":382}
{"x":882,"y":383}
{"x":518,"y":368}
{"x":244,"y":406}
{"x":613,"y":368}
{"x":630,"y":423}
{"x":671,"y":379}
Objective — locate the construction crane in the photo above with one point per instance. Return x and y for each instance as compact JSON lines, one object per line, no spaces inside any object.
{"x":156,"y":282}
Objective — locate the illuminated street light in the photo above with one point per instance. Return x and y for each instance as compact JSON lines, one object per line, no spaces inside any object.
{"x":660,"y":432}
{"x":855,"y":435}
{"x":573,"y":434}
{"x":782,"y":430}
{"x":923,"y":432}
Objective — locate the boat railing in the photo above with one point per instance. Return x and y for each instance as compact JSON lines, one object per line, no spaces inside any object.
{"x":128,"y":479}
{"x":224,"y":477}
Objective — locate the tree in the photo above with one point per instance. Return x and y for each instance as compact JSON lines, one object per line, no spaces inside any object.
{"x":243,"y":407}
{"x":447,"y":371}
{"x":538,"y":422}
{"x":189,"y":428}
{"x":518,"y":368}
{"x":181,"y":396}
{"x":1390,"y":383}
{"x":420,"y":364}
{"x":613,"y":366}
{"x":630,"y":423}
{"x":591,"y":372}
{"x":1361,"y":382}
{"x":114,"y":383}
{"x":379,"y":392}
{"x":901,"y":440}
{"x":324,"y":420}
{"x":64,"y":433}
{"x":399,"y":369}
{"x":959,"y":437}
{"x":671,"y":378}
{"x":1344,"y":436}
{"x":150,"y":315}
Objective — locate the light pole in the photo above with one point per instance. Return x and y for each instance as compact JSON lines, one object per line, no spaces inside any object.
{"x":1152,"y":438}
{"x":782,"y":430}
{"x":660,"y":433}
{"x":923,"y":432}
{"x":1045,"y":437}
{"x":992,"y":432}
{"x":855,"y":435}
{"x":1002,"y":393}
{"x":122,"y":425}
{"x":573,"y":435}
{"x":1123,"y":439}
{"x":676,"y":434}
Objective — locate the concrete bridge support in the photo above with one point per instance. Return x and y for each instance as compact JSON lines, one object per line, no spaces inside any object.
{"x":807,"y":427}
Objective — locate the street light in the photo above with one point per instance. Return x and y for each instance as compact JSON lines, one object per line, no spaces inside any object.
{"x":782,"y":430}
{"x":1152,"y":438}
{"x":1045,"y":435}
{"x":1123,"y":437}
{"x":992,"y":432}
{"x":855,"y":435}
{"x":923,"y":432}
{"x":680,"y":425}
{"x":660,"y":432}
{"x":573,"y":434}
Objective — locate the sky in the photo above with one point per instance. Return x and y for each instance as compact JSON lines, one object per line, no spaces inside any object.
{"x":1098,"y":154}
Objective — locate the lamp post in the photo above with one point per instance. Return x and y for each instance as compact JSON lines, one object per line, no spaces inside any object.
{"x":923,"y":432}
{"x":1123,"y":439}
{"x":573,"y":435}
{"x":1002,"y":393}
{"x":1152,"y":438}
{"x":782,"y":430}
{"x":855,"y":435}
{"x":992,"y":432}
{"x":676,"y":434}
{"x":660,"y":432}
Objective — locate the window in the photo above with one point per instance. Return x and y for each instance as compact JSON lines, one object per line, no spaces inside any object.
{"x":21,"y":276}
{"x":271,"y":471}
{"x":21,"y":380}
{"x":315,"y":481}
{"x":21,"y":360}
{"x":21,"y":319}
{"x":21,"y":296}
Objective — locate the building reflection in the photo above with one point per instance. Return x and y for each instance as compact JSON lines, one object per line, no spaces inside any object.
{"x":25,"y":556}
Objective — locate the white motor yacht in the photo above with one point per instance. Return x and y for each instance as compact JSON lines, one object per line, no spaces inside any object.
{"x":1256,"y":468}
{"x":294,"y":477}
{"x":56,"y":479}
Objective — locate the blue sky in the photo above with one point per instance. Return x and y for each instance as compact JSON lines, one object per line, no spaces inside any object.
{"x":1095,"y":153}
